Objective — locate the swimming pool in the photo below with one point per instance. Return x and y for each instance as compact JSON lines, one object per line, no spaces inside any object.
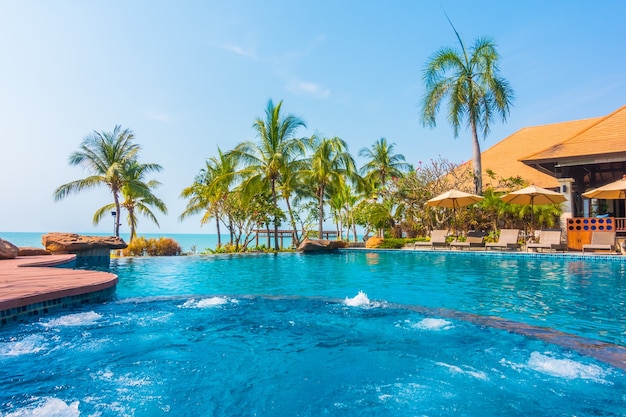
{"x":282,"y":335}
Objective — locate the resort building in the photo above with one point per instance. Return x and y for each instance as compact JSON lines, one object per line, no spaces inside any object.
{"x":570,"y":157}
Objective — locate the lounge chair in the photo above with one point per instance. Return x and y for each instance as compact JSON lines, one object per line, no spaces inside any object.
{"x":548,"y":239}
{"x":473,"y":240}
{"x":437,"y":240}
{"x":508,"y":240}
{"x":600,"y":241}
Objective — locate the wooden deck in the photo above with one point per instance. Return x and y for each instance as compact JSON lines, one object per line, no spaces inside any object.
{"x":28,"y":280}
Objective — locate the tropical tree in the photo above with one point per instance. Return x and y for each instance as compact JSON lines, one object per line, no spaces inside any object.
{"x":208,"y":193}
{"x":382,"y":163}
{"x":342,"y":203}
{"x":476,"y":93}
{"x":267,"y":159}
{"x":138,"y":195}
{"x":329,"y":167}
{"x":104,"y":154}
{"x":418,"y":186}
{"x":291,"y":187}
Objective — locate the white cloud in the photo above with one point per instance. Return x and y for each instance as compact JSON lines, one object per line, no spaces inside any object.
{"x":248,"y":53}
{"x":308,"y":88}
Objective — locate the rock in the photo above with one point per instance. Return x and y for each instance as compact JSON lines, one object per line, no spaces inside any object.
{"x":73,"y":243}
{"x":320,"y":245}
{"x":8,"y":250}
{"x":30,"y":251}
{"x":374,"y":242}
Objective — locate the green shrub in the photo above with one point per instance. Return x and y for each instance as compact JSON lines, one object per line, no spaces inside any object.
{"x":393,"y":243}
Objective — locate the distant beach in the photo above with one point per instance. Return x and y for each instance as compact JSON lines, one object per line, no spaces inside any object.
{"x":188,"y":242}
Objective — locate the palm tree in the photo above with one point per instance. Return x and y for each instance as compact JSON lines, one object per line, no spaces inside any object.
{"x":104,"y":154}
{"x":475,"y":90}
{"x":382,"y":163}
{"x":209,"y":190}
{"x":138,"y":196}
{"x":291,"y":185}
{"x":329,"y":167}
{"x":342,"y":203}
{"x":276,"y":149}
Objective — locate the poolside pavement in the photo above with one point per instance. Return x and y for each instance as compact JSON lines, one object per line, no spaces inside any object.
{"x":29,"y":280}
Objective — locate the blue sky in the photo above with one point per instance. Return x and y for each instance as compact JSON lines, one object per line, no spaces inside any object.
{"x":188,"y":76}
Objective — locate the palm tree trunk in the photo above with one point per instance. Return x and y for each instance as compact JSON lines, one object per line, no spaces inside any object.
{"x":321,"y":210}
{"x":275,"y":214}
{"x":132,"y":221}
{"x":477,"y":162}
{"x":117,"y":214}
{"x":339,"y":226}
{"x":293,"y":223}
{"x":219,"y":235}
{"x":231,"y":230}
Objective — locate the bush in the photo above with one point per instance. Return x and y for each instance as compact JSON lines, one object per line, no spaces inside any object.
{"x":393,"y":243}
{"x":136,"y":247}
{"x":163,"y":246}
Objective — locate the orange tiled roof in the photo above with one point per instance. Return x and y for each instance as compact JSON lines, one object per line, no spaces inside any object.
{"x":504,"y":158}
{"x":606,"y":136}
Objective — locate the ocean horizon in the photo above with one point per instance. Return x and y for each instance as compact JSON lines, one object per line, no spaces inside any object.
{"x":189,"y":242}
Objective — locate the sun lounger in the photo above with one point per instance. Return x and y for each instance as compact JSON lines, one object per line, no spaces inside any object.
{"x":437,"y":240}
{"x":601,"y":241}
{"x":548,"y":239}
{"x":508,"y":240}
{"x":473,"y":240}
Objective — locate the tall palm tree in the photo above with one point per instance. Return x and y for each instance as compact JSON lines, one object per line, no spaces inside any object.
{"x":277,"y":147}
{"x":329,"y":167}
{"x":382,"y":163}
{"x":290,"y":186}
{"x":342,"y":203}
{"x":476,"y":92}
{"x":209,"y":190}
{"x":104,"y":154}
{"x":138,"y":195}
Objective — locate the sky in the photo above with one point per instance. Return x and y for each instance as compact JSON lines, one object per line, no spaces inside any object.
{"x":189,"y":76}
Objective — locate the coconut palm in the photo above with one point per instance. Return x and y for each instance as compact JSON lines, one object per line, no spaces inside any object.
{"x":476,"y":93}
{"x":208,"y":192}
{"x":342,"y":204}
{"x":138,"y":196}
{"x":382,"y":163}
{"x":105,"y":155}
{"x":329,"y":167}
{"x":291,"y":186}
{"x":276,"y":149}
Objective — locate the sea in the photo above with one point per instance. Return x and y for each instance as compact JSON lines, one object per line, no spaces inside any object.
{"x":189,"y":243}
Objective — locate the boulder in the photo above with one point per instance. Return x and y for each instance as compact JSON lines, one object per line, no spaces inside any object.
{"x":320,"y":245}
{"x":8,"y":250}
{"x":374,"y":242}
{"x":73,"y":243}
{"x":31,"y":251}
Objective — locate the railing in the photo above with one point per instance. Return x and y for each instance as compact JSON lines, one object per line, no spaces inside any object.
{"x":620,"y":224}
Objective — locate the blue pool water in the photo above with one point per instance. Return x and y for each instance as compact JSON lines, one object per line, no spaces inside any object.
{"x":351,"y":334}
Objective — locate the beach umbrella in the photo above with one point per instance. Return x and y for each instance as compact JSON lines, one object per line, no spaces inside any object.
{"x":453,"y":199}
{"x":613,"y":191}
{"x":533,"y":195}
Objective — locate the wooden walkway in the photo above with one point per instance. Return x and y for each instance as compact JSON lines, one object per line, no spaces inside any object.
{"x":28,"y":280}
